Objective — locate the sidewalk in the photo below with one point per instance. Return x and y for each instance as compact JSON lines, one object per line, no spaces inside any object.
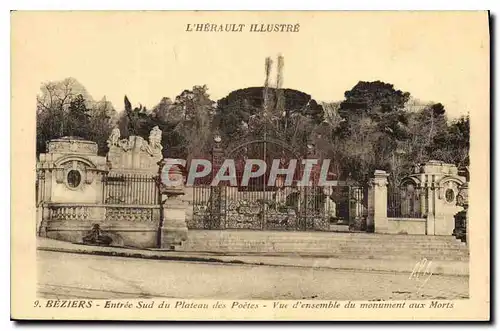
{"x":452,"y":268}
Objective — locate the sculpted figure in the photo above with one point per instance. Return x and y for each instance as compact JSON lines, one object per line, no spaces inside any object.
{"x":126,"y":144}
{"x":154,"y":145}
{"x":155,"y":138}
{"x":330,"y":205}
{"x":114,"y":137}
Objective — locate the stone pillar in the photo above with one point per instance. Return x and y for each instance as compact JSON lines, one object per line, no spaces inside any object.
{"x":431,"y":219}
{"x":216,"y":192}
{"x":358,"y":206}
{"x":48,"y":179}
{"x":173,"y":227}
{"x":423,"y":196}
{"x":42,"y":219}
{"x":377,"y":203}
{"x":356,"y":209}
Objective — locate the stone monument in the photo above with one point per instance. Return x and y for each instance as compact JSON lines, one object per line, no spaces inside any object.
{"x":134,"y":154}
{"x":70,"y":178}
{"x":71,"y":171}
{"x":440,"y":184}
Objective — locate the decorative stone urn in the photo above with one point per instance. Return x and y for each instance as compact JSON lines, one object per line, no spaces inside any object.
{"x":173,"y":227}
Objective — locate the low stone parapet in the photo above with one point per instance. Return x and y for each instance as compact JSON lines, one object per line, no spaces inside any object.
{"x":406,"y":225}
{"x":127,"y":225}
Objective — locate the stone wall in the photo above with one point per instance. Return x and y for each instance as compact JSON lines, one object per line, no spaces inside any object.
{"x":133,"y":226}
{"x":438,"y":185}
{"x":74,"y":177}
{"x":406,"y":226}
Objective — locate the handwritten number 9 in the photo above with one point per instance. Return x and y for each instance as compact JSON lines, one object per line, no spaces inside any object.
{"x":37,"y":303}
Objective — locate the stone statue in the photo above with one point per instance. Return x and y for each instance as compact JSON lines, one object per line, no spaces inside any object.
{"x":154,"y":146}
{"x":126,"y":144}
{"x":330,"y":206}
{"x":114,"y":137}
{"x":155,"y":138}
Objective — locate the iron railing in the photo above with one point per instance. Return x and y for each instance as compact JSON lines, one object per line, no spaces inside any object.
{"x":276,"y":208}
{"x":137,"y":189}
{"x":406,"y":202}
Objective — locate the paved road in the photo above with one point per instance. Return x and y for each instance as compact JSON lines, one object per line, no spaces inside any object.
{"x":66,"y":275}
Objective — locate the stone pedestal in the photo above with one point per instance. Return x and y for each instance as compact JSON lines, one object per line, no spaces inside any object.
{"x":174,"y":228}
{"x":134,"y":156}
{"x":377,"y":203}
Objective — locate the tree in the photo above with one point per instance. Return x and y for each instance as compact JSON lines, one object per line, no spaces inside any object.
{"x":373,"y":126}
{"x":452,"y":145}
{"x":423,"y":126}
{"x":162,"y":110}
{"x":372,"y":98}
{"x":78,"y":118}
{"x":103,"y":115}
{"x":185,"y":123}
{"x":192,"y":112}
{"x":64,"y":108}
{"x":239,"y":114}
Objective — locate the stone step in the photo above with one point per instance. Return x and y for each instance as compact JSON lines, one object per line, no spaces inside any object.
{"x":330,"y":237}
{"x":323,"y":249}
{"x":335,"y":245}
{"x":317,"y":235}
{"x":336,"y":242}
{"x":384,"y":246}
{"x":306,"y":246}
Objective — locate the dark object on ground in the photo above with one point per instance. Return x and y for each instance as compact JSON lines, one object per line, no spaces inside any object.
{"x":96,"y":238}
{"x":460,"y":231}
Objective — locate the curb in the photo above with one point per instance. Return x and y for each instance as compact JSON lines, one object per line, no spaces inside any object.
{"x":137,"y":255}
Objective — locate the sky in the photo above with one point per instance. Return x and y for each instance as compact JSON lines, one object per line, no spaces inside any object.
{"x":439,"y":57}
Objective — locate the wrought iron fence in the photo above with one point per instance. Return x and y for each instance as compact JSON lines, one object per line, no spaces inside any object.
{"x":131,"y":189}
{"x":280,"y":206}
{"x":276,"y":208}
{"x":406,"y":201}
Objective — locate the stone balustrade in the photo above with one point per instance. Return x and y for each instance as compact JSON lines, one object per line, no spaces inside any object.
{"x":127,"y":225}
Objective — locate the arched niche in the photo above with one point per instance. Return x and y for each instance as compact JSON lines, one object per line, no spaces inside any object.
{"x":410,"y":181}
{"x":448,"y":188}
{"x":72,"y":167}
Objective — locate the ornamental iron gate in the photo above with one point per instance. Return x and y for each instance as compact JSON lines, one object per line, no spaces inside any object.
{"x":259,"y":206}
{"x":406,"y":201}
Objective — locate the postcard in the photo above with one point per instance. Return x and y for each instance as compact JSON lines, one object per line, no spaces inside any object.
{"x":274,"y":165}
